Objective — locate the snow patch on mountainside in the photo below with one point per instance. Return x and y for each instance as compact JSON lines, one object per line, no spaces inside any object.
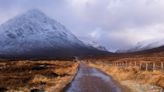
{"x":96,"y":45}
{"x":144,"y":45}
{"x":34,"y":30}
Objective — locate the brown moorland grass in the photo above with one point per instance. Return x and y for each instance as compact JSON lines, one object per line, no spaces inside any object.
{"x":25,"y":76}
{"x":134,"y":77}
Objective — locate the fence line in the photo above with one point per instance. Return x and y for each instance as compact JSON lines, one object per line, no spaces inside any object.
{"x":147,"y":66}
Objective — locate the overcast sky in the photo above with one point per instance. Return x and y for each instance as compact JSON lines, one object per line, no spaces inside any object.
{"x":115,"y":24}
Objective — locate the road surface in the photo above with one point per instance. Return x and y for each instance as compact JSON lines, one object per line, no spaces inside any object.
{"x":89,"y":79}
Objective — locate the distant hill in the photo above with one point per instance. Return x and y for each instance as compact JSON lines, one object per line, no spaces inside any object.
{"x":144,"y":45}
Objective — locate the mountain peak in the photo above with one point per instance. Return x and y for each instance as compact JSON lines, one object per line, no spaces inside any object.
{"x":30,"y":17}
{"x":34,"y":12}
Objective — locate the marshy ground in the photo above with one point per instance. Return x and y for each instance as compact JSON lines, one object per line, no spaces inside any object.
{"x":34,"y":76}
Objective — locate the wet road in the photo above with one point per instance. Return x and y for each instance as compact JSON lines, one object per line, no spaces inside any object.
{"x":89,"y":79}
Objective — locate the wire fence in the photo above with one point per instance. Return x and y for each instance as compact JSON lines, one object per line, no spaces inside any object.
{"x":146,"y":65}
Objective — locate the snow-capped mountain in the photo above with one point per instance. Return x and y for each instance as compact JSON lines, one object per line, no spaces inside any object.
{"x":145,"y":45}
{"x":96,"y":45}
{"x":33,"y":34}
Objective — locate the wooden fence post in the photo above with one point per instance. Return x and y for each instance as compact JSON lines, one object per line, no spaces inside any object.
{"x":135,"y":63}
{"x":154,"y":66}
{"x":162,"y":67}
{"x":140,"y":65}
{"x":130,"y":64}
{"x":122,"y":64}
{"x":146,"y":66}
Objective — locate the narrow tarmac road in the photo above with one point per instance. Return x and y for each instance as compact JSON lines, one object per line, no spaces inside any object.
{"x":89,"y":79}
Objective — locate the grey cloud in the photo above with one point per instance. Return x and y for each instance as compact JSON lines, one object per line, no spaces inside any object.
{"x":116,"y":24}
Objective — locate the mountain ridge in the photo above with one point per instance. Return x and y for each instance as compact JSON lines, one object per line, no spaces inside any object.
{"x":144,"y":45}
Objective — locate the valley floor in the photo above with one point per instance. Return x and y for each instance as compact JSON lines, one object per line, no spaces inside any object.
{"x":76,"y":76}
